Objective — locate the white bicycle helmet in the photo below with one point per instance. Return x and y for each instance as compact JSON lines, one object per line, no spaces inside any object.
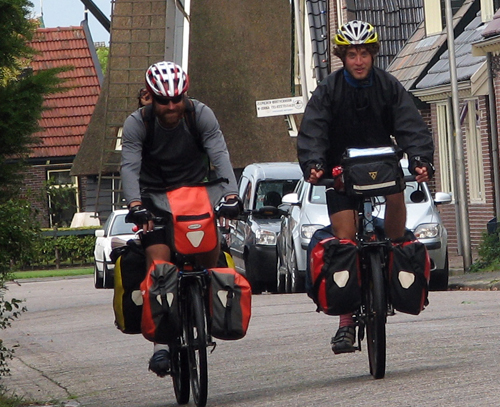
{"x":356,"y":33}
{"x":166,"y":79}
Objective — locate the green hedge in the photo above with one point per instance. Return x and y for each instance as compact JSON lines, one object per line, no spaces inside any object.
{"x":65,"y":249}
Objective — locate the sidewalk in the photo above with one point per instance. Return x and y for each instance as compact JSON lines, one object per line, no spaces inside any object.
{"x":471,"y":281}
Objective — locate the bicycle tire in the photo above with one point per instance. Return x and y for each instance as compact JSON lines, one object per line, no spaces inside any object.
{"x":196,"y":335}
{"x":180,"y":374}
{"x":376,"y":318}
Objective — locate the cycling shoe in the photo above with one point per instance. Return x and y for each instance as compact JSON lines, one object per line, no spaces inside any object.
{"x":160,"y":363}
{"x":343,"y":341}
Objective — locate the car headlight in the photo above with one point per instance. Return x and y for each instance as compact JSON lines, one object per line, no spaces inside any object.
{"x":427,"y":231}
{"x":265,"y":237}
{"x":307,"y":231}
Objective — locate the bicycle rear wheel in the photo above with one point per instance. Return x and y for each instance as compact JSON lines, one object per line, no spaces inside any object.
{"x":196,"y":340}
{"x":180,"y":374}
{"x":376,"y":318}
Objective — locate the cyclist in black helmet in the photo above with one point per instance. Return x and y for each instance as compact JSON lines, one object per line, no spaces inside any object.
{"x":360,"y":106}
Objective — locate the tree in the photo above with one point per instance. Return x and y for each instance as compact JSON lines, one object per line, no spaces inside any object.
{"x":21,"y":92}
{"x":103,"y":56}
{"x":21,"y":104}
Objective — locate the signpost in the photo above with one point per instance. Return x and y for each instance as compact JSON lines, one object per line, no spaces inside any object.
{"x":280,"y":107}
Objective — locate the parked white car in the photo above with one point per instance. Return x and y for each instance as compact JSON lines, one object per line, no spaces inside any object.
{"x":306,"y":212}
{"x":115,"y":233}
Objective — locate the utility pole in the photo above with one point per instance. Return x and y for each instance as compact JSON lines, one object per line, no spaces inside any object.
{"x":461,"y":184}
{"x":300,"y":45}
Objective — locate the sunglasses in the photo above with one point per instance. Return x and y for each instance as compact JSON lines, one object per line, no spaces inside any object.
{"x":166,"y":101}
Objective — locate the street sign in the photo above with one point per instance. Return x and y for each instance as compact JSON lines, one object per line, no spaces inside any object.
{"x":280,"y":107}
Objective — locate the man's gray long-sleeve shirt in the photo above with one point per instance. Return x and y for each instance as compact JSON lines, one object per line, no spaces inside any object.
{"x":174,"y":156}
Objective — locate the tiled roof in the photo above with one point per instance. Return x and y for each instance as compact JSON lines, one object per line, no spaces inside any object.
{"x":395,"y":21}
{"x":412,"y":61}
{"x":467,"y":64}
{"x":69,"y":113}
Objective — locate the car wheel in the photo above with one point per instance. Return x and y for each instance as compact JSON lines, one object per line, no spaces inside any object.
{"x":297,"y":283}
{"x":98,"y":278}
{"x":109,"y":276}
{"x":439,"y":278}
{"x":280,"y":277}
{"x":254,"y":283}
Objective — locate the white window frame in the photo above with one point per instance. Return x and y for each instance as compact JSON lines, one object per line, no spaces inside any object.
{"x":474,"y":151}
{"x":433,"y":19}
{"x":446,"y":153}
{"x":73,"y":184}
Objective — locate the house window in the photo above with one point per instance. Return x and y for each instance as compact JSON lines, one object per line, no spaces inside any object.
{"x":446,"y":154}
{"x":475,"y":171}
{"x":62,"y":192}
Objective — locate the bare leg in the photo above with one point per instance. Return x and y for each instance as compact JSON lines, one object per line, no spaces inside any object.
{"x":395,"y":216}
{"x":209,"y":259}
{"x":157,"y":252}
{"x":345,"y":224}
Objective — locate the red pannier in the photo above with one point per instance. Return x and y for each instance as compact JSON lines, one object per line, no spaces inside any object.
{"x":409,"y":273}
{"x":195,"y":229}
{"x":160,"y":320}
{"x":335,"y":276}
{"x":230,"y":304}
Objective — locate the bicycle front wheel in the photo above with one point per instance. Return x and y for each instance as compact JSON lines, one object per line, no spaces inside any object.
{"x":376,"y":312}
{"x":196,"y":340}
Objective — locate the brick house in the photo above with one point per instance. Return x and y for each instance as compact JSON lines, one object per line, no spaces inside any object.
{"x":65,"y":119}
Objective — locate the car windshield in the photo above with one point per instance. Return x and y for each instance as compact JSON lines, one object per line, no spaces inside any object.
{"x":120,"y":227}
{"x":269,"y":193}
{"x":317,"y":194}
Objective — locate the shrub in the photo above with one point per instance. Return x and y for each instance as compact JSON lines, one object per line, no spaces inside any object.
{"x":488,"y":253}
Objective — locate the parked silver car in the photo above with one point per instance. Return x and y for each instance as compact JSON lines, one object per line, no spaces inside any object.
{"x":306,"y":212}
{"x":114,"y":233}
{"x":252,"y":242}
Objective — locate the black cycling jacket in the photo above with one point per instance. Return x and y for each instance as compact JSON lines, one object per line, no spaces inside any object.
{"x":339,"y":116}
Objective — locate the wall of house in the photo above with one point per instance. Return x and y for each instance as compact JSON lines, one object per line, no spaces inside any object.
{"x":32,"y":190}
{"x":478,"y":213}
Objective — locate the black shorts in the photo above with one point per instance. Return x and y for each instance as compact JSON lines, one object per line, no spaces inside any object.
{"x":163,"y":235}
{"x":337,"y":202}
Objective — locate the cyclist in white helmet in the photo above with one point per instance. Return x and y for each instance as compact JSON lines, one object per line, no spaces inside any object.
{"x":360,"y":106}
{"x":162,"y":147}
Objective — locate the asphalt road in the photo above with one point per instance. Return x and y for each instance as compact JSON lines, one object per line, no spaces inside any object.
{"x":67,"y":349}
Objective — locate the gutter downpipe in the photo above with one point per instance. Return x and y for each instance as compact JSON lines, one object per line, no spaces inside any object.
{"x":462,"y":203}
{"x":300,"y":43}
{"x":494,"y":135}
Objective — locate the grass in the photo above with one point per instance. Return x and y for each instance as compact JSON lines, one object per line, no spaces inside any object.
{"x":62,"y":272}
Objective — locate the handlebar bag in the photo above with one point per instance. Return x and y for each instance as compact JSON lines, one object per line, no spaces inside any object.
{"x":335,"y":276}
{"x":409,"y":273}
{"x":372,"y":171}
{"x":130,"y":270}
{"x":195,"y":229}
{"x":230,"y":304}
{"x":160,"y":312}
